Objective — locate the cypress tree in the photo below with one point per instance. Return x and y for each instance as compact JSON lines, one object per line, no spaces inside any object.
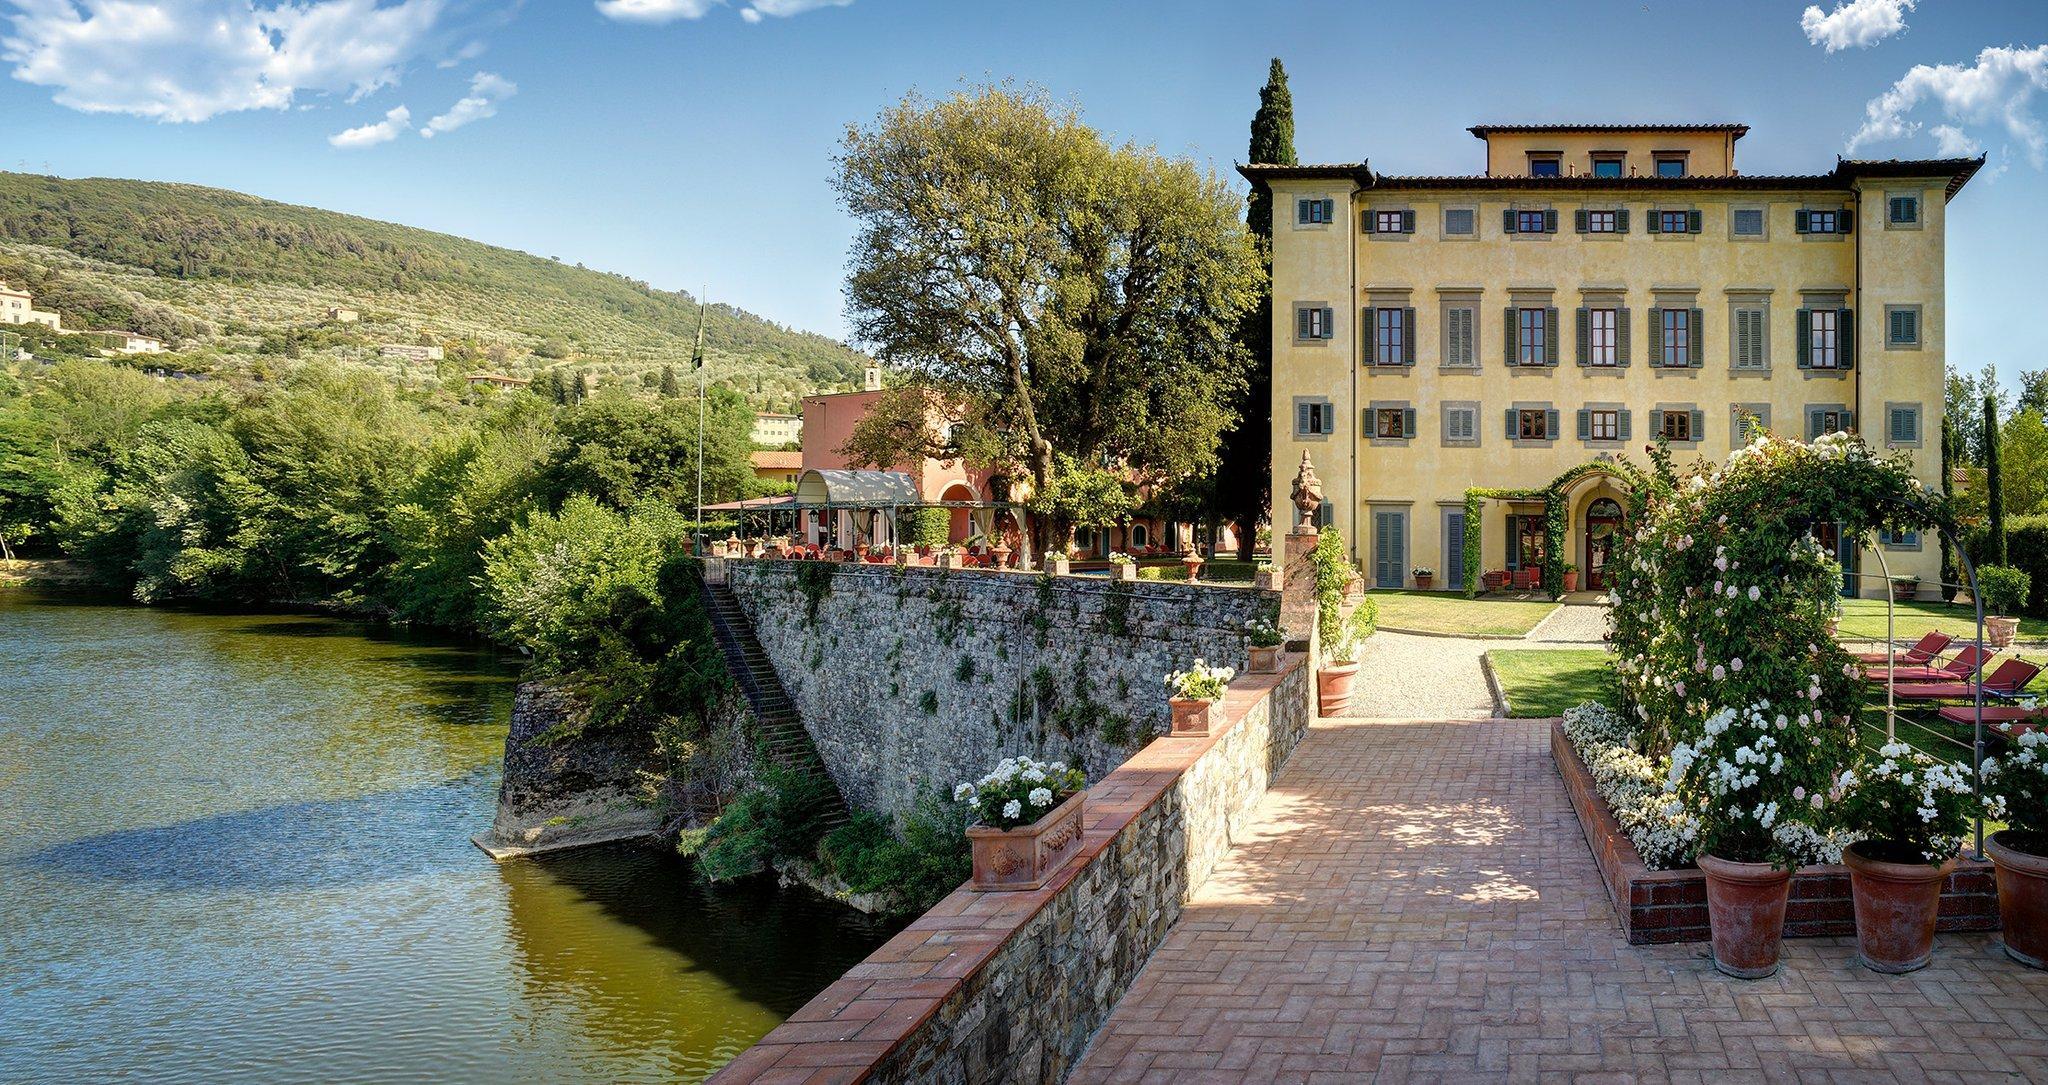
{"x":582,"y":386}
{"x":1994,"y":491}
{"x":1245,"y":476}
{"x":1950,"y":453}
{"x":669,"y":388}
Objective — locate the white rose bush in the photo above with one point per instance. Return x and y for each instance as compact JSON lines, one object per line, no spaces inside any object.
{"x":1019,"y":791}
{"x":1736,"y":695}
{"x":2016,"y":784}
{"x":1911,"y":807}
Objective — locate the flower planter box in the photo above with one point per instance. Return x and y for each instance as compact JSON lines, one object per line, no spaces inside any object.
{"x":1190,"y":717}
{"x":1904,"y":593}
{"x":1126,"y":572}
{"x":1058,"y":566}
{"x":1266,"y":580}
{"x":949,"y":560}
{"x":1027,"y":856}
{"x":1265,"y":659}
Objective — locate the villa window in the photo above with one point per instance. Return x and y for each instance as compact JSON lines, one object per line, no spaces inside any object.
{"x":1902,"y":425}
{"x":1824,"y":339}
{"x":1602,"y":337}
{"x":1750,"y":419}
{"x":1814,"y":221}
{"x":1751,"y":340}
{"x":1821,"y":421}
{"x":1532,"y":425}
{"x":1670,"y":165}
{"x":1749,"y":222}
{"x":1674,"y":222}
{"x":1903,"y":210}
{"x":1314,"y":322}
{"x":1902,"y":325}
{"x":1459,"y":347}
{"x":1607,"y":165}
{"x":1314,"y":212}
{"x":1392,"y":222}
{"x":1676,"y":426}
{"x":1459,"y":222}
{"x":1531,"y":222}
{"x":1546,"y":165}
{"x":1675,"y":326}
{"x":1393,"y":423}
{"x":1391,"y":339}
{"x":1602,"y":222}
{"x":1603,"y":425}
{"x":1461,"y":424}
{"x":1531,"y":345}
{"x":1140,"y":538}
{"x":1314,"y":417}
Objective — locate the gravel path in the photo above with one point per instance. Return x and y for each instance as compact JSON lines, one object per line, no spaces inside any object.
{"x":1572,"y":624}
{"x":1403,"y":676}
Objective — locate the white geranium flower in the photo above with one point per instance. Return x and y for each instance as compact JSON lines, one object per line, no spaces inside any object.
{"x":1013,"y":809}
{"x":963,"y":792}
{"x":1040,"y":796}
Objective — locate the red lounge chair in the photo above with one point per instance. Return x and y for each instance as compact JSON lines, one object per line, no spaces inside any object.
{"x":1960,"y":669}
{"x":1932,"y":644}
{"x":1995,"y":714}
{"x":2010,"y":677}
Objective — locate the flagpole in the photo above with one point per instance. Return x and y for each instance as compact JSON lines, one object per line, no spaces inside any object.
{"x":697,"y":363}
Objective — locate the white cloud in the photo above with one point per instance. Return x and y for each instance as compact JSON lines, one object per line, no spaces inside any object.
{"x":1953,"y":142}
{"x":654,"y":11}
{"x":1855,"y":24}
{"x":369,"y":135}
{"x":485,"y":92}
{"x":188,"y":60}
{"x":783,"y":9}
{"x":1998,"y":90}
{"x":461,"y":56}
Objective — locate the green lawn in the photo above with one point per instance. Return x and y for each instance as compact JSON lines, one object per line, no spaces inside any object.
{"x":1449,"y":612}
{"x":1545,"y":682}
{"x":1864,"y":618}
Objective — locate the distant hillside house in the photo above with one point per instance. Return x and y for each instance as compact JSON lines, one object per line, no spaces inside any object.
{"x":778,"y":466}
{"x":117,"y":342}
{"x":498,"y":380}
{"x":17,"y":307}
{"x":342,"y":316}
{"x":777,"y":429}
{"x":410,"y":351}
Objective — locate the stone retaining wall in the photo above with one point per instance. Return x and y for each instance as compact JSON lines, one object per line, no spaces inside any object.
{"x":1671,"y":905}
{"x":919,"y":677}
{"x":1012,"y":986}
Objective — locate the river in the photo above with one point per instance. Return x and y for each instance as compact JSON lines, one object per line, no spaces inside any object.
{"x":236,"y":848}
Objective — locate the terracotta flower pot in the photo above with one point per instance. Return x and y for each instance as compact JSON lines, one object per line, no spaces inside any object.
{"x":2000,"y":631}
{"x":2021,"y":860}
{"x":1746,"y":912}
{"x":1333,"y":687}
{"x":1190,"y":717}
{"x":1424,"y":582}
{"x":1265,"y":658}
{"x":1027,"y":856}
{"x":1057,"y":566}
{"x":1127,"y":571}
{"x":1571,"y":581}
{"x":1896,"y":903}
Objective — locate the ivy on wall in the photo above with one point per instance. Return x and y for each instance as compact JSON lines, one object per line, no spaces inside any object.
{"x":1556,"y":518}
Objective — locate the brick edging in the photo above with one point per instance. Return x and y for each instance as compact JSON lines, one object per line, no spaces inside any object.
{"x":1656,"y":906}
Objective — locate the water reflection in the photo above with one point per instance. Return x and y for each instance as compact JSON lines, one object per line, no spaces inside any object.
{"x":240,"y":853}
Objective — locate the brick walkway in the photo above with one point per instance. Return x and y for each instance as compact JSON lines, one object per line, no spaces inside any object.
{"x":1416,"y":903}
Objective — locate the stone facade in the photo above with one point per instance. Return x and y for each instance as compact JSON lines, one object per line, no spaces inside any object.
{"x":917,"y":677}
{"x":1011,"y":987}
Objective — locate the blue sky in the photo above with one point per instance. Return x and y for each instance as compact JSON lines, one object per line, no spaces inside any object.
{"x":689,"y":142}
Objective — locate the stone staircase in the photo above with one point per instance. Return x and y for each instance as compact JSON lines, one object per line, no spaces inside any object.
{"x":784,"y":740}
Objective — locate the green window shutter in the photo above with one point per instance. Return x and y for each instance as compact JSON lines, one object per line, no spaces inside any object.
{"x":1799,"y":221}
{"x":1507,"y":220}
{"x":1514,"y":430}
{"x":1848,"y":419}
{"x":1845,"y":220}
{"x":1408,"y":222}
{"x":1550,"y":336}
{"x":1845,"y":335}
{"x":1653,"y":222}
{"x":1696,"y":349}
{"x":1579,"y":220}
{"x":1585,"y":337}
{"x":1408,"y":422}
{"x":1302,"y":324}
{"x":1329,"y":323}
{"x":1699,"y":425}
{"x":1550,"y":424}
{"x":1508,"y":337}
{"x":1621,"y":345}
{"x":1369,"y":330}
{"x":1897,"y":427}
{"x":1621,"y":221}
{"x":1303,"y":419}
{"x":1812,"y":423}
{"x":1803,"y":334}
{"x":1368,"y":221}
{"x":1585,"y":424}
{"x":1656,"y":337}
{"x":1407,"y":337}
{"x":1624,"y":430}
{"x":1656,"y":424}
{"x":1550,"y":220}
{"x":1692,"y":220}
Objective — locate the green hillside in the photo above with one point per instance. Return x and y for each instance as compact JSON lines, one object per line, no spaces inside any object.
{"x":242,"y":284}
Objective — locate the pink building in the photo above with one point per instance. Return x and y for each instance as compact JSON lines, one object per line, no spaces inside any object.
{"x":828,"y":424}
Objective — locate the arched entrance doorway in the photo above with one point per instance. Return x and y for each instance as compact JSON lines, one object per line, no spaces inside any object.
{"x":1602,"y":531}
{"x":959,"y":522}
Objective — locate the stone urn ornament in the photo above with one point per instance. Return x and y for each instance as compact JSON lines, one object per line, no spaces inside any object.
{"x":1193,"y":562}
{"x":1307,"y":497}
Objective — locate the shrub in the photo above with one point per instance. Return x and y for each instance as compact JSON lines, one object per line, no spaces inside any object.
{"x":2004,"y":589}
{"x":923,"y":527}
{"x":1914,"y":806}
{"x":780,"y":816}
{"x":2026,"y":544}
{"x":2016,"y":783}
{"x":911,"y":866}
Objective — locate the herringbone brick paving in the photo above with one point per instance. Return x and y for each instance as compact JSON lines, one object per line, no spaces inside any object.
{"x":1416,"y":903}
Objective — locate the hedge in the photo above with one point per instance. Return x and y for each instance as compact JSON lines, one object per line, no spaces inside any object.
{"x":2026,"y":548}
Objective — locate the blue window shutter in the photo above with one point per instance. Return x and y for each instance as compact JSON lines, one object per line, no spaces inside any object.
{"x":1514,"y":429}
{"x":1845,"y":337}
{"x":1621,"y":339}
{"x":1408,"y":422}
{"x":1304,"y":422}
{"x":1699,"y":425}
{"x":1696,"y":339}
{"x":1621,"y":221}
{"x":1812,"y":423}
{"x":1656,"y":423}
{"x":1550,"y":425}
{"x":1692,"y":221}
{"x":1585,"y":424}
{"x":1550,"y":220}
{"x":1408,"y":336}
{"x":1799,"y":221}
{"x":1301,"y":323}
{"x":1848,"y":419}
{"x":1624,"y":430}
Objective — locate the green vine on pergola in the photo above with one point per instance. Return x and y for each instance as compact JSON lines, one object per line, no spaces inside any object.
{"x":1555,"y":514}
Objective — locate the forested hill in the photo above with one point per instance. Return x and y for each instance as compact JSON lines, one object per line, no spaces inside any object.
{"x":235,"y":280}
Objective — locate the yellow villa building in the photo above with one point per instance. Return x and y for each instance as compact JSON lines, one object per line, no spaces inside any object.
{"x":1596,"y":287}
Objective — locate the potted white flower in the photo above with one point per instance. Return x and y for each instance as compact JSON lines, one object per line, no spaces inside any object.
{"x":1425,"y":576}
{"x":949,"y":557}
{"x":1195,"y":691}
{"x":1027,"y":822}
{"x":1913,"y":810}
{"x":2016,"y":787}
{"x":1126,"y":566}
{"x":1058,"y":562}
{"x":1266,"y":639}
{"x":1266,"y":577}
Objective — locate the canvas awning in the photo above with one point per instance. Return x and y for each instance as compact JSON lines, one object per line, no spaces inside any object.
{"x":754,"y":504}
{"x":855,"y":489}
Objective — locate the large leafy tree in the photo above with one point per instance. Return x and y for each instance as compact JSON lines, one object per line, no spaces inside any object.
{"x":1063,"y":296}
{"x":1244,"y":480}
